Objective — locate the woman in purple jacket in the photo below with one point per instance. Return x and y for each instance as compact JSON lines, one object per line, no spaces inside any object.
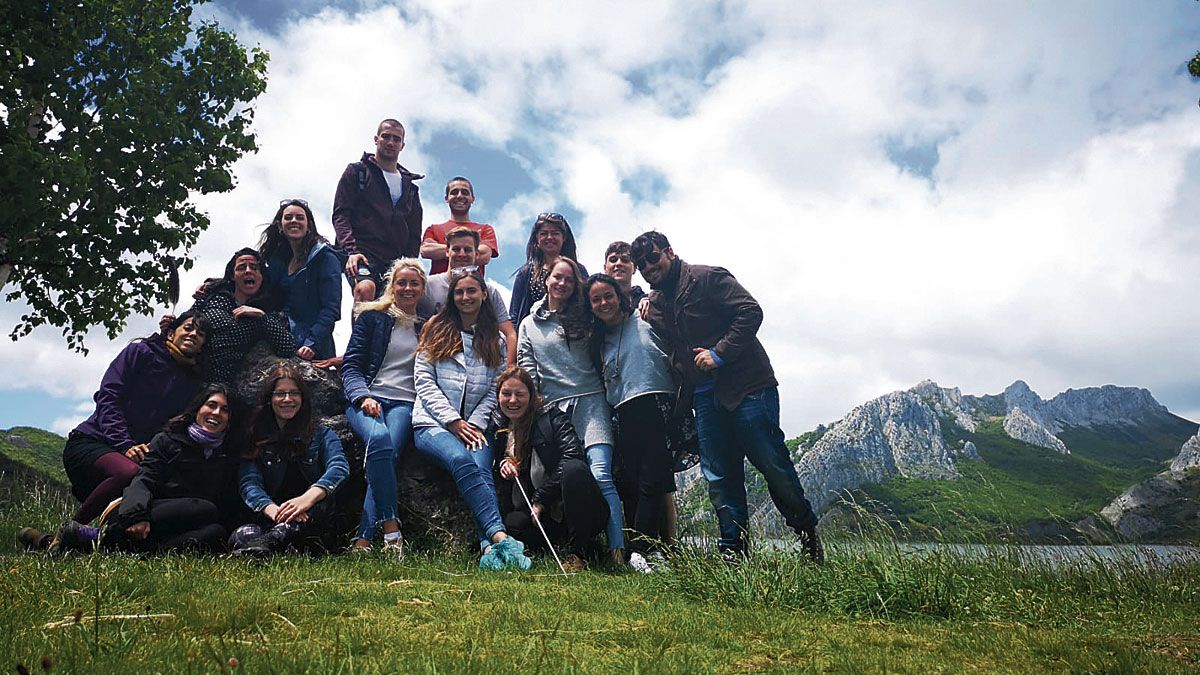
{"x":149,"y":382}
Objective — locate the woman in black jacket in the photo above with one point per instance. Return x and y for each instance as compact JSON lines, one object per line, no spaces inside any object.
{"x":183,"y":494}
{"x":543,"y":453}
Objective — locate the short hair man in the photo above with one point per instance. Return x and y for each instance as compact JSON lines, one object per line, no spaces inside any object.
{"x":710,"y":325}
{"x":377,"y":212}
{"x":461,"y":247}
{"x":460,"y":195}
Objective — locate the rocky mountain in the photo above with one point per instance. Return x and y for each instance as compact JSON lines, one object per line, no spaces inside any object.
{"x":1165,"y":507}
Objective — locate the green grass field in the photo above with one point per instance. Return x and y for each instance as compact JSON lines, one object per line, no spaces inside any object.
{"x":872,"y":608}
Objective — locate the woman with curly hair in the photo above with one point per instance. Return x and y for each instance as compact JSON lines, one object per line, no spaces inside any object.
{"x":307,"y":273}
{"x":290,"y":468}
{"x":553,"y":347}
{"x":460,"y":353}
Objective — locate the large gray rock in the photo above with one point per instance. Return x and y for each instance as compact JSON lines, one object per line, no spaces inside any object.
{"x":431,"y":511}
{"x":1189,"y":455}
{"x":946,"y":402}
{"x":1022,"y":427}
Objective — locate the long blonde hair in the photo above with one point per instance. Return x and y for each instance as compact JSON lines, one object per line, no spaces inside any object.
{"x":386,"y":301}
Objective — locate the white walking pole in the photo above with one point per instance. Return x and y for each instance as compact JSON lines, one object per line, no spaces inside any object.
{"x":538,"y":522}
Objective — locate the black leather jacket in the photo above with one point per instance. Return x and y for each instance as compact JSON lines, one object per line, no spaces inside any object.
{"x":554,"y":440}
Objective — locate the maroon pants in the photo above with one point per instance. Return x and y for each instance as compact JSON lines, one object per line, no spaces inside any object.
{"x":111,"y":473}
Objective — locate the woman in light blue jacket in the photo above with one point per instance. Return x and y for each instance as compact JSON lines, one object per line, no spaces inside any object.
{"x":460,"y":353}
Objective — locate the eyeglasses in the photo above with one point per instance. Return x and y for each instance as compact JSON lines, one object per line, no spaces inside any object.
{"x":293,"y":200}
{"x":281,"y":395}
{"x":650,"y":258}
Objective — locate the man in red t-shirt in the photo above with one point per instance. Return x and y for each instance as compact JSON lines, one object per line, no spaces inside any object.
{"x":459,"y":196}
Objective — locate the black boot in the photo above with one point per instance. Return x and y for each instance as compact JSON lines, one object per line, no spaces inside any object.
{"x":274,"y":540}
{"x":811,"y":541}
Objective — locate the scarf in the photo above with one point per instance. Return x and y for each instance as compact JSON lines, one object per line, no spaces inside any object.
{"x":179,"y":357}
{"x":208,"y":442}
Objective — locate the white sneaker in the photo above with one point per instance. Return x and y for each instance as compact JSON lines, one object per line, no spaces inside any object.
{"x":638,"y":562}
{"x":393,"y":548}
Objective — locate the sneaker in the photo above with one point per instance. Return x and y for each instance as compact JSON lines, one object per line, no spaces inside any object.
{"x":33,"y":540}
{"x":505,"y":554}
{"x":639,"y":563}
{"x":657,"y":562}
{"x":573,"y":564}
{"x":393,"y":548}
{"x":357,"y":551}
{"x":811,"y":542}
{"x":72,"y":536}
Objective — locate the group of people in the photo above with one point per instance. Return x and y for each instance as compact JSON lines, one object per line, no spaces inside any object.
{"x":530,"y":406}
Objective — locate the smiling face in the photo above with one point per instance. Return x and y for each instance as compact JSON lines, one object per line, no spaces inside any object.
{"x":514,"y":398}
{"x":286,"y":399}
{"x":247,"y":277}
{"x":294,"y":223}
{"x":606,"y":305}
{"x":468,"y":296}
{"x":620,"y":267}
{"x":187,"y":337}
{"x":550,"y":239}
{"x":213,"y":415}
{"x":655,"y":265}
{"x":460,"y":197}
{"x":460,"y":252}
{"x":407,"y":288}
{"x":561,"y":283}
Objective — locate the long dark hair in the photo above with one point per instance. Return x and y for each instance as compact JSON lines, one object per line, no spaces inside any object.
{"x":521,"y":427}
{"x":575,"y":315}
{"x":441,"y":338}
{"x":179,"y":424}
{"x":533,"y":254}
{"x":599,"y":328}
{"x":296,"y":434}
{"x":273,"y":240}
{"x":264,"y":299}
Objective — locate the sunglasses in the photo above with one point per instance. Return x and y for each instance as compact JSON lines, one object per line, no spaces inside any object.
{"x":464,"y":271}
{"x":289,"y":202}
{"x":650,"y":258}
{"x":551,"y":215}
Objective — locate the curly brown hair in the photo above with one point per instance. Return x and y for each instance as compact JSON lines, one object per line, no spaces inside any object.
{"x":296,"y":434}
{"x":520,"y":428}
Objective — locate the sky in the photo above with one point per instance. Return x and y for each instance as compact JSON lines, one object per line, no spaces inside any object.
{"x":969,"y":192}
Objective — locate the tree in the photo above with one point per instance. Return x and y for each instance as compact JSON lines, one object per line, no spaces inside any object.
{"x":112,"y":114}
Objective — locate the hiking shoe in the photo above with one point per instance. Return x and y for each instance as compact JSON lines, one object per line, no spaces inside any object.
{"x":573,"y":564}
{"x":639,"y":563}
{"x":505,"y":554}
{"x":811,"y":542}
{"x":33,"y":540}
{"x":357,"y":551}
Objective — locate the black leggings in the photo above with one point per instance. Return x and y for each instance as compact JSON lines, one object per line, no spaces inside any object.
{"x":584,"y":512}
{"x":176,"y":524}
{"x":646,"y":468}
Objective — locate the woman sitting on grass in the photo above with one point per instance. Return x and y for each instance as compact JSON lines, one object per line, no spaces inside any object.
{"x":148,"y":382}
{"x":377,"y":379}
{"x":184,"y":491}
{"x":543,"y":453}
{"x":288,"y":472}
{"x":460,"y":353}
{"x":637,"y":383}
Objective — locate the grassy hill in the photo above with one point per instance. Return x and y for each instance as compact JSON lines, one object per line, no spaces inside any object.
{"x":38,"y":450}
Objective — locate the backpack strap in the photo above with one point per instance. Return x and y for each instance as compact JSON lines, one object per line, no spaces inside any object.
{"x":360,"y":168}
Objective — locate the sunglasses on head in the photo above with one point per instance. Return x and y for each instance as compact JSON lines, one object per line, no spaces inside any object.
{"x":289,"y":202}
{"x":650,"y":258}
{"x":551,"y":215}
{"x":463,"y":271}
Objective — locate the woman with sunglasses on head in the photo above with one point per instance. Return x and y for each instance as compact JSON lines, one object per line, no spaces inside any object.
{"x":289,"y":470}
{"x":184,"y":492}
{"x":240,"y":313}
{"x":637,"y":382}
{"x":460,"y":353}
{"x":553,"y":347}
{"x":307,"y":273}
{"x":151,"y":380}
{"x":544,"y":474}
{"x":551,"y":237}
{"x":377,"y":379}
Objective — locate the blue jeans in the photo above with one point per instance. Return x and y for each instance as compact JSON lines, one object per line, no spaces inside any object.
{"x":750,"y":431}
{"x":600,"y":459}
{"x":385,"y":437}
{"x":467,"y":468}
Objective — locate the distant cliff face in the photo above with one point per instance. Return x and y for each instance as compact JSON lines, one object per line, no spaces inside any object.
{"x":1022,"y":427}
{"x":1165,"y":507}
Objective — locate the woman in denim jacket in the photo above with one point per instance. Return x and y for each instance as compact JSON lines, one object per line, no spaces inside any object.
{"x":377,"y":379}
{"x":289,"y":471}
{"x":460,"y":354}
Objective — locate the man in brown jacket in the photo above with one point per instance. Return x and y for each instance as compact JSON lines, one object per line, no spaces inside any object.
{"x":377,"y":212}
{"x":709,"y":323}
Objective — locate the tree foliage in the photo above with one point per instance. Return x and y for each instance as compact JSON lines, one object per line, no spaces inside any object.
{"x":112,"y":114}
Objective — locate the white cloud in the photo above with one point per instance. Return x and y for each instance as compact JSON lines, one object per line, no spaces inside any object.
{"x":1055,"y":243}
